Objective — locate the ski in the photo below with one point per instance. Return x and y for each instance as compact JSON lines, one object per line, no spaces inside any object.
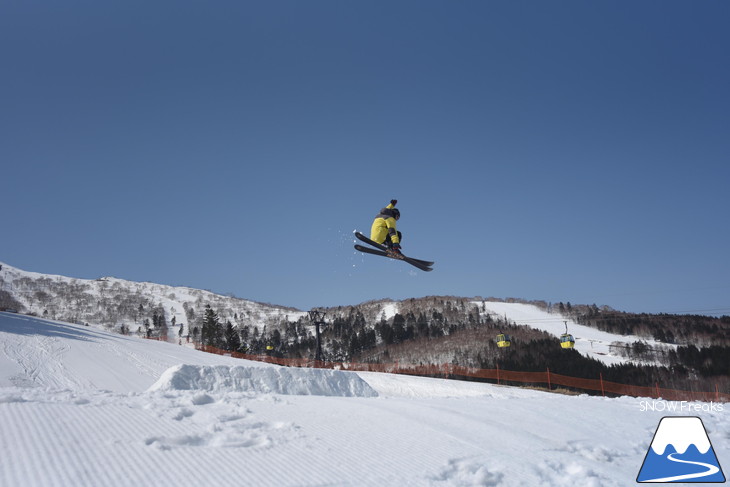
{"x":375,"y":244}
{"x":414,"y":262}
{"x":383,"y":248}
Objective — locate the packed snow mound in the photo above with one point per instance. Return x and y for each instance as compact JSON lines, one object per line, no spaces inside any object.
{"x":267,"y":380}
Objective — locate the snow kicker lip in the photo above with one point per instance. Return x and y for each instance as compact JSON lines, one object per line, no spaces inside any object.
{"x":267,"y":380}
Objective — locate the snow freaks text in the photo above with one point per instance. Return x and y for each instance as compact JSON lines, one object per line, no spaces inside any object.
{"x":681,"y":407}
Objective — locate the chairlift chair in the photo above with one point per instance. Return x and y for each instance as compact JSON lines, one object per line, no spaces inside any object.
{"x":503,"y":340}
{"x":566,"y":339}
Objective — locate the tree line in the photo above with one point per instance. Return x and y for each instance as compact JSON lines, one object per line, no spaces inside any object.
{"x":458,"y":333}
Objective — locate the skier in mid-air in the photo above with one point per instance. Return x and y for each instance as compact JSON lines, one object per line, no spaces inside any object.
{"x":385,"y":238}
{"x":384,"y":229}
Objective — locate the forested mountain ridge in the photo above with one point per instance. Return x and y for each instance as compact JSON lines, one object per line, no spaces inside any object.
{"x":427,"y":330}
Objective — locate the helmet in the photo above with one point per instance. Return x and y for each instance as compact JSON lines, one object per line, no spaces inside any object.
{"x":396,"y":213}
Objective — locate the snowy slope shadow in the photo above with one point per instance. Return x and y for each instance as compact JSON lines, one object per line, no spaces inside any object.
{"x":23,"y":325}
{"x":267,"y":380}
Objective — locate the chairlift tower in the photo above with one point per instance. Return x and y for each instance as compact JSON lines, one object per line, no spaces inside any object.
{"x":316,"y":316}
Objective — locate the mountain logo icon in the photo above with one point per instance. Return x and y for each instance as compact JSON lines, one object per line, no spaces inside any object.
{"x":681,"y":452}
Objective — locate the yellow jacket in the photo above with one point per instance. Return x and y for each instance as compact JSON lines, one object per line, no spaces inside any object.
{"x":384,"y":225}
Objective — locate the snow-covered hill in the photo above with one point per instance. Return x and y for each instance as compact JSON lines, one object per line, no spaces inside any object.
{"x":589,"y":341}
{"x":83,"y":407}
{"x":115,"y":302}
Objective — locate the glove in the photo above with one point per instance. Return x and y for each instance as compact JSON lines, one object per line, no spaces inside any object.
{"x":393,"y":202}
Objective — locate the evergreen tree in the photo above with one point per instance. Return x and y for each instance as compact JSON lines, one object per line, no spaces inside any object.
{"x":231,"y":338}
{"x":399,"y":328}
{"x":212,"y":333}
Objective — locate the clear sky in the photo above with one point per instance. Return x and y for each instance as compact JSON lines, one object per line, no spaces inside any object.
{"x":565,"y":151}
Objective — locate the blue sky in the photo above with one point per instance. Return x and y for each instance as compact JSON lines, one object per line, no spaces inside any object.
{"x":564,"y":151}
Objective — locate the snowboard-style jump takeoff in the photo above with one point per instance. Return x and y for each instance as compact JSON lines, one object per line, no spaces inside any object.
{"x":385,"y":238}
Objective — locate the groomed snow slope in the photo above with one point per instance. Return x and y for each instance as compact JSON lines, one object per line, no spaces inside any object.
{"x":590,"y":342}
{"x":81,"y":407}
